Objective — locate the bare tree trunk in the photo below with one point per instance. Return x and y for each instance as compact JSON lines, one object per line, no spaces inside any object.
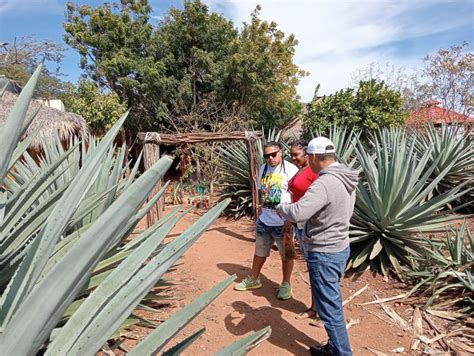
{"x":198,"y":170}
{"x":150,"y":156}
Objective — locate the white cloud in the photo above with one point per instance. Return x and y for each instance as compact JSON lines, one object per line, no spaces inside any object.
{"x":338,"y":37}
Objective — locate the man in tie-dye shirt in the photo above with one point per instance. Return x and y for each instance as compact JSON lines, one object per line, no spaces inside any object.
{"x":273,"y":187}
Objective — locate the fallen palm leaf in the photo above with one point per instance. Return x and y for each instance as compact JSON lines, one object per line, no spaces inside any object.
{"x":378,"y":353}
{"x":431,"y":323}
{"x":427,"y":341}
{"x":460,"y":345}
{"x":383,"y":300}
{"x":444,"y":314}
{"x":378,"y":316}
{"x":395,"y":317}
{"x":417,"y":329}
{"x":356,"y":294}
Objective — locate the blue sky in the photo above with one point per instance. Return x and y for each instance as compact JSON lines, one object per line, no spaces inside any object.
{"x":335,"y":37}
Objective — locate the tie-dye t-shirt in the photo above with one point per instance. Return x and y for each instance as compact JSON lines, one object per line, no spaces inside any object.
{"x":273,"y":187}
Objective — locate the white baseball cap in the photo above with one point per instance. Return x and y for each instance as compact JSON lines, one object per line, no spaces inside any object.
{"x":320,"y":145}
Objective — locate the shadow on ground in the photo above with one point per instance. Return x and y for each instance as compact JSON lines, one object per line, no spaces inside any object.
{"x":246,"y":318}
{"x":226,"y":231}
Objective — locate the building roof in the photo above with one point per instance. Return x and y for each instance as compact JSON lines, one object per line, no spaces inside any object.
{"x":47,"y":121}
{"x":433,"y":112}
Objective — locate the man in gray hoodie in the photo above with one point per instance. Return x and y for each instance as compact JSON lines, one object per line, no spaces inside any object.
{"x":326,"y":207}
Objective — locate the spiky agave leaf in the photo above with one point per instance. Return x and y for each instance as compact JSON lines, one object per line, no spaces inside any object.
{"x":58,"y":263}
{"x":393,"y":203}
{"x":12,"y":129}
{"x":344,"y":140}
{"x":244,"y":345}
{"x":454,"y":149}
{"x":444,"y":274}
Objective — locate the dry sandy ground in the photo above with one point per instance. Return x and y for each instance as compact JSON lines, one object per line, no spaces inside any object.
{"x":227,"y":248}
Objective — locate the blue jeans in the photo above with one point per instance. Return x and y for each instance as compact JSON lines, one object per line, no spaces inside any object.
{"x":325,"y":272}
{"x":299,"y":237}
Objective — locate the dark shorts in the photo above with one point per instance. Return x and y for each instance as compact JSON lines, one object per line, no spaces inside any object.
{"x":265,"y":236}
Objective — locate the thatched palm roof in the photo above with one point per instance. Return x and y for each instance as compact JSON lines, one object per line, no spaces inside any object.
{"x":48,"y":121}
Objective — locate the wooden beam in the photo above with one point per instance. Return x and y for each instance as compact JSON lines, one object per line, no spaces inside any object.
{"x":153,"y":140}
{"x":178,"y":139}
{"x":151,"y":154}
{"x":253,"y":169}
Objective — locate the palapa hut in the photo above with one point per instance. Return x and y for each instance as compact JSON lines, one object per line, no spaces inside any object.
{"x":48,"y":121}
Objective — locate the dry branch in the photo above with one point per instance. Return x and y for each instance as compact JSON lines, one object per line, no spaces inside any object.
{"x":359,"y":292}
{"x":196,"y":137}
{"x":383,"y":300}
{"x":417,"y":328}
{"x":378,"y":353}
{"x":444,"y":314}
{"x":395,"y":317}
{"x":431,"y":323}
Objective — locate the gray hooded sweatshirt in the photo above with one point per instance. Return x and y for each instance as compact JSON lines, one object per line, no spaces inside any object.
{"x":326,"y":207}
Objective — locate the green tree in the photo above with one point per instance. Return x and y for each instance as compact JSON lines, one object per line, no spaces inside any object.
{"x":100,"y":110}
{"x":114,"y":42}
{"x":194,"y":45}
{"x":163,"y":72}
{"x":371,"y":106}
{"x":261,"y":74}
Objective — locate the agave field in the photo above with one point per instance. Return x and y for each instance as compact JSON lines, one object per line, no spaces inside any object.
{"x":71,"y":275}
{"x":412,"y":184}
{"x":70,"y":254}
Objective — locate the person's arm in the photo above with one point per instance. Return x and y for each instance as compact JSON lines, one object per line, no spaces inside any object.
{"x":312,"y":202}
{"x":259,"y":195}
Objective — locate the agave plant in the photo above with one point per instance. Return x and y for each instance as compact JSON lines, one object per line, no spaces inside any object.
{"x":445,"y":273}
{"x":67,"y":228}
{"x":450,"y":147}
{"x":393,"y":202}
{"x":34,"y":188}
{"x":234,"y":165}
{"x":344,"y":140}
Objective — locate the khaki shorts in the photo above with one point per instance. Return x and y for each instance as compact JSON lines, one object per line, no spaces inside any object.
{"x":265,"y":236}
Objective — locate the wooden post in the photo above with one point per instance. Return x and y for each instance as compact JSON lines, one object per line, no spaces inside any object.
{"x":253,"y":168}
{"x":152,"y":140}
{"x":151,"y":154}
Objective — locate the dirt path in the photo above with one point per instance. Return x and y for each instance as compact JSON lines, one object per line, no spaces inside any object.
{"x":227,"y":248}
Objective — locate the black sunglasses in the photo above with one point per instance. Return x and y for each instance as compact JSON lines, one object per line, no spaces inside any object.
{"x":272,"y":155}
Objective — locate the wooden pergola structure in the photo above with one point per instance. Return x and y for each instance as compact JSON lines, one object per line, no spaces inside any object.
{"x":151,"y":154}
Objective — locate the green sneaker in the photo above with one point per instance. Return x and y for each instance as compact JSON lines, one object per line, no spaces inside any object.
{"x":284,"y":292}
{"x":248,"y":283}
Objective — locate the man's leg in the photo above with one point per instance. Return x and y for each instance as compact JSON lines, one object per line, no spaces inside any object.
{"x":257,"y":265}
{"x":287,"y":269}
{"x":263,"y":242}
{"x":284,"y":292}
{"x":325,"y":271}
